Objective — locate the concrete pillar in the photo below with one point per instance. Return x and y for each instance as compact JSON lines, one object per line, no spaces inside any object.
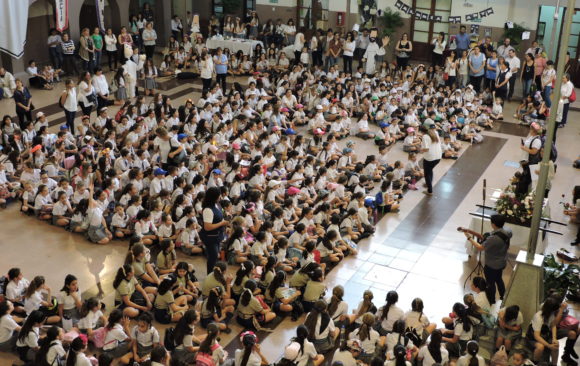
{"x":123,"y":6}
{"x":74,"y":13}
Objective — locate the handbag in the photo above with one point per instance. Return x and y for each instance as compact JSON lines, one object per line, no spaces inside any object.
{"x":568,"y":322}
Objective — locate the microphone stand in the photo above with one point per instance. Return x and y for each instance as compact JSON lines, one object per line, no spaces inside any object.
{"x":478,"y":270}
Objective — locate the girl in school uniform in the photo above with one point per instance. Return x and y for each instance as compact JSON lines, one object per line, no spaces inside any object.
{"x":389,"y":313}
{"x":144,"y":338}
{"x":8,"y":326}
{"x":119,"y":223}
{"x":456,"y":339}
{"x":167,"y":258}
{"x":321,"y":329}
{"x":186,"y":343}
{"x":187,"y":284}
{"x":117,"y":342}
{"x":167,"y":308}
{"x":27,"y":342}
{"x":281,"y":298}
{"x":43,"y":203}
{"x":213,"y":312}
{"x":130,"y":297}
{"x":61,"y":210}
{"x":91,"y":317}
{"x":69,"y":301}
{"x":34,"y":300}
{"x":314,"y":290}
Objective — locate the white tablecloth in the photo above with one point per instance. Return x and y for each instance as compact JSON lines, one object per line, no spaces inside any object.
{"x":234,"y":45}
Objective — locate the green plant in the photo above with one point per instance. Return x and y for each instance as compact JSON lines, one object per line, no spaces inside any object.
{"x":561,"y":277}
{"x":515,"y":34}
{"x":390,"y":21}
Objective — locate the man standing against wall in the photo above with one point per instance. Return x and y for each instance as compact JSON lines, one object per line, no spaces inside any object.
{"x":362,"y":42}
{"x":221,"y":68}
{"x":461,"y":41}
{"x":515,"y":65}
{"x":504,"y":49}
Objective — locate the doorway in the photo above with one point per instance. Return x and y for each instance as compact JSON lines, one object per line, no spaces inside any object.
{"x":423,"y":31}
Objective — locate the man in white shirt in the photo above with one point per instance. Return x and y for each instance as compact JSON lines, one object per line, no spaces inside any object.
{"x":515,"y":64}
{"x":504,"y":49}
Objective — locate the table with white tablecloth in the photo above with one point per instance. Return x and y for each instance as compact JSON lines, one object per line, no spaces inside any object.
{"x":247,"y":46}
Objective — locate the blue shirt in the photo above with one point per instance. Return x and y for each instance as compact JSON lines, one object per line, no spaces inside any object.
{"x":476,"y":63}
{"x":462,"y":41}
{"x":223,"y":68}
{"x":490,"y":74}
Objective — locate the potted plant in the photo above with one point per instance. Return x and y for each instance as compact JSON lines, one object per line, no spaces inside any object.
{"x":390,"y":21}
{"x":514,"y":34}
{"x":561,"y":277}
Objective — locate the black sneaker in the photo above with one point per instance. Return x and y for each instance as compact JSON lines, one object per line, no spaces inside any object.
{"x":573,"y":353}
{"x":569,"y":361}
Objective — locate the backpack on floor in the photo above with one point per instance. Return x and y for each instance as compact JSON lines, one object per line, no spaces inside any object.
{"x":169,"y":339}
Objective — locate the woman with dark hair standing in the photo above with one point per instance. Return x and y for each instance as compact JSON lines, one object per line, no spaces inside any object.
{"x":212,"y":231}
{"x":432,"y":153}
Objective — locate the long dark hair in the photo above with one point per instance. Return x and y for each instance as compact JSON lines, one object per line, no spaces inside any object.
{"x":245,"y":269}
{"x":213,"y":300}
{"x":248,"y":292}
{"x":462,"y":316}
{"x":211,"y":197}
{"x":166,"y":285}
{"x":249,"y":341}
{"x":392,"y":298}
{"x":434,"y":346}
{"x":182,"y":328}
{"x":35,"y":317}
{"x":319,"y":309}
{"x":277,"y":282}
{"x":400,"y":352}
{"x":122,"y":274}
{"x":270,"y":264}
{"x":212,"y":333}
{"x":511,"y":313}
{"x":115,"y":317}
{"x":67,"y":281}
{"x":76,"y":346}
{"x":51,"y":335}
{"x":472,"y":349}
{"x":336,"y":299}
{"x":301,"y":336}
{"x":218,"y":272}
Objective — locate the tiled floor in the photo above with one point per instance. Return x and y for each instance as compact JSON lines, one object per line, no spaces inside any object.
{"x":417,"y":251}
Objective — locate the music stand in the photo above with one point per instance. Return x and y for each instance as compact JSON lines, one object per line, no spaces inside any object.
{"x":478,"y":270}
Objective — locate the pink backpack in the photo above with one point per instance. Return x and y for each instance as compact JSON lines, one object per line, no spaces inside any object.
{"x":99,"y":336}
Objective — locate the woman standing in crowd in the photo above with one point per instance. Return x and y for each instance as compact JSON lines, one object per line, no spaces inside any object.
{"x":404,"y":48}
{"x":431,"y":148}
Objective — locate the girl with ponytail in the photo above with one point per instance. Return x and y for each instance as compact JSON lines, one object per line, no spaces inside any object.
{"x":471,"y":358}
{"x":389,"y":313}
{"x":129,"y":295}
{"x":417,"y":321}
{"x":301,"y":351}
{"x":242,"y":276}
{"x":251,"y":353}
{"x":321,"y":329}
{"x":219,"y":278}
{"x":434,"y":352}
{"x":184,"y":339}
{"x":51,"y":352}
{"x":249,"y":307}
{"x":370,"y":340}
{"x":400,"y":354}
{"x":337,"y":307}
{"x":277,"y":296}
{"x":76,"y":353}
{"x":212,"y":311}
{"x":27,"y":341}
{"x":314,"y":290}
{"x":268,"y":273}
{"x":186,"y":282}
{"x":365,"y":306}
{"x":210,"y":347}
{"x":461,"y":333}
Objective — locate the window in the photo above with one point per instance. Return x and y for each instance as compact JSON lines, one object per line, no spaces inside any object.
{"x":424,"y":31}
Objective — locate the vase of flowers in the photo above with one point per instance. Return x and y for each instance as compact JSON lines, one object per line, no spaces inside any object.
{"x":516,"y":208}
